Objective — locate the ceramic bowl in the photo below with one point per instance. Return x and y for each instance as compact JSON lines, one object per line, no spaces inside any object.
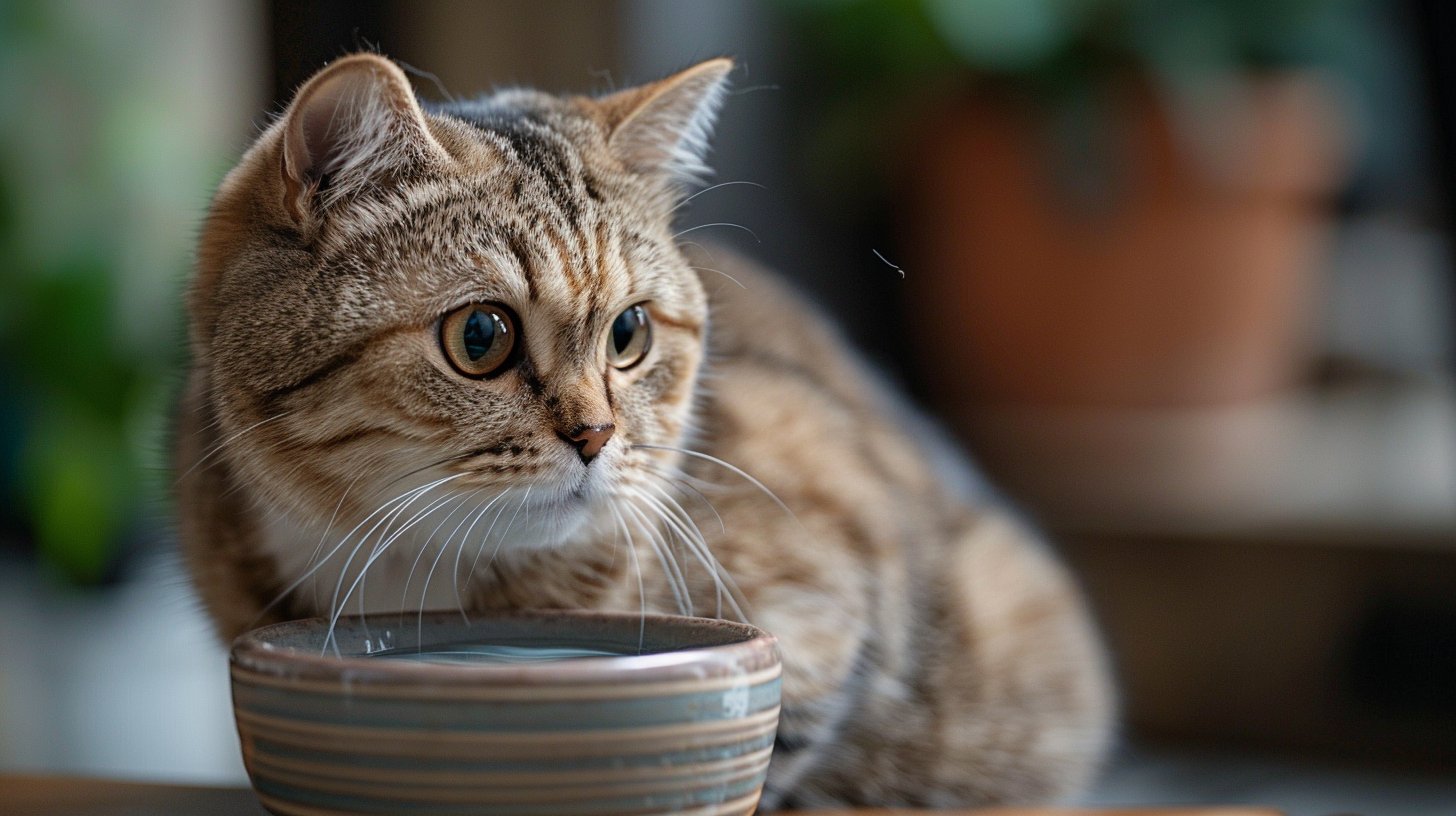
{"x":372,"y":726}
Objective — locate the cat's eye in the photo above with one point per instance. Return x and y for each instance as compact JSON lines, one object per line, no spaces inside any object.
{"x":630,"y":337}
{"x":478,"y":339}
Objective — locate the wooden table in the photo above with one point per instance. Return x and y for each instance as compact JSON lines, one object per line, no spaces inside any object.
{"x":69,"y":796}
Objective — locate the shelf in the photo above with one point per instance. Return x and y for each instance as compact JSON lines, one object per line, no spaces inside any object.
{"x":1367,"y":463}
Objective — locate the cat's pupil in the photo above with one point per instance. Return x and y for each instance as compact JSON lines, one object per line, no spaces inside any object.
{"x":479,"y":334}
{"x":625,"y":327}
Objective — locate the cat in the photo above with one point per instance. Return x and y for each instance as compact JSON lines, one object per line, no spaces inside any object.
{"x":457,"y":348}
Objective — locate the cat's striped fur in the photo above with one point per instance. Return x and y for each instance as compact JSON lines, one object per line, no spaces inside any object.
{"x":331,"y":459}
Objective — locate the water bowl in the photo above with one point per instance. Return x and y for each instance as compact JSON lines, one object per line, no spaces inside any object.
{"x":551,"y":713}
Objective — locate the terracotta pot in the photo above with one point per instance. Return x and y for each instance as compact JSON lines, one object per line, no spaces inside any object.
{"x":1190,"y":283}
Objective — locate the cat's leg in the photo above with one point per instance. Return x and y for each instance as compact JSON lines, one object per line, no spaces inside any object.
{"x":823,"y":684}
{"x":1008,"y":700}
{"x":1028,"y":702}
{"x":820,"y":602}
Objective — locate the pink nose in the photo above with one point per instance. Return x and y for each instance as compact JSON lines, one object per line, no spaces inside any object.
{"x":588,"y":439}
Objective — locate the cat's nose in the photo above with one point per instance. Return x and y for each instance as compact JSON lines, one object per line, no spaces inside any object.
{"x":588,"y":439}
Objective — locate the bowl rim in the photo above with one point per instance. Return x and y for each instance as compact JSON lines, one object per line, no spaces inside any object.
{"x":749,"y":648}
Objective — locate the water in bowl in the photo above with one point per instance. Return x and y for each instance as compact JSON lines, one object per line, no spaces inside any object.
{"x":467,"y":653}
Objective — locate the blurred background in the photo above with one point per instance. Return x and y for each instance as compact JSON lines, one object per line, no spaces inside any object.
{"x":1177,"y":272}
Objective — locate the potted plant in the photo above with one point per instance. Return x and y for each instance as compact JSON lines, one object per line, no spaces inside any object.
{"x":1110,"y":203}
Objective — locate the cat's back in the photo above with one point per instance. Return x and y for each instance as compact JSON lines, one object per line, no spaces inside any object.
{"x":899,"y":567}
{"x":778,"y":365}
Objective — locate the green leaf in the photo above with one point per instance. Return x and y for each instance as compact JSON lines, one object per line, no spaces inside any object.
{"x":78,"y":480}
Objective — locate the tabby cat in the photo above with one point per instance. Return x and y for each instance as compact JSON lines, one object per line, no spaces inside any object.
{"x":458,"y":349}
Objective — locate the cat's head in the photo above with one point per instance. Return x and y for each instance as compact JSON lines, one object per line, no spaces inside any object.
{"x":486,"y":293}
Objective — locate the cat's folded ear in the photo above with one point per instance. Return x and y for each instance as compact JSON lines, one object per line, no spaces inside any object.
{"x":664,"y":126}
{"x":352,"y":124}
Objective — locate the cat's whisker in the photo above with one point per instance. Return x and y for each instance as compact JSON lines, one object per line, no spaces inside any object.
{"x":676,"y":581}
{"x":666,"y":528}
{"x":306,"y":388}
{"x":634,"y":520}
{"x":636,"y":568}
{"x":717,"y":224}
{"x":697,"y":544}
{"x":425,"y":548}
{"x":319,"y":548}
{"x":684,"y":202}
{"x":701,"y":248}
{"x":480,"y":507}
{"x":692,"y":537}
{"x":430,"y":575}
{"x":504,"y":533}
{"x":732,"y":468}
{"x":215,"y":422}
{"x":338,"y":604}
{"x":484,"y":539}
{"x":455,"y":586}
{"x":698,"y":484}
{"x":386,"y":543}
{"x":390,"y":511}
{"x":433,"y":78}
{"x":399,"y":505}
{"x":217,"y":448}
{"x":680,"y":482}
{"x":240,"y":484}
{"x":402,"y":503}
{"x":361,"y":581}
{"x":481,"y":549}
{"x":720,"y":272}
{"x":463,"y":497}
{"x":310,"y":571}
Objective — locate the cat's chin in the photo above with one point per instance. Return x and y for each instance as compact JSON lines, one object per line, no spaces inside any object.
{"x":574,"y":518}
{"x":556,"y":524}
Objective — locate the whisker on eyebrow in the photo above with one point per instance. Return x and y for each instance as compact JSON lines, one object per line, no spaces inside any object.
{"x":720,"y":272}
{"x":684,"y":202}
{"x":718,"y":224}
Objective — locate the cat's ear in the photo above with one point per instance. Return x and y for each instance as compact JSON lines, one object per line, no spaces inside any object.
{"x":664,"y":126}
{"x":352,"y":123}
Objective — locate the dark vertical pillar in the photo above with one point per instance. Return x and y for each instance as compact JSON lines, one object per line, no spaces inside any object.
{"x":304,"y":35}
{"x":1434,"y":22}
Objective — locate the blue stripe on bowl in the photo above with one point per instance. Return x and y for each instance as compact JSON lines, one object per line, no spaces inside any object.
{"x":288,"y":753}
{"x":451,"y":715}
